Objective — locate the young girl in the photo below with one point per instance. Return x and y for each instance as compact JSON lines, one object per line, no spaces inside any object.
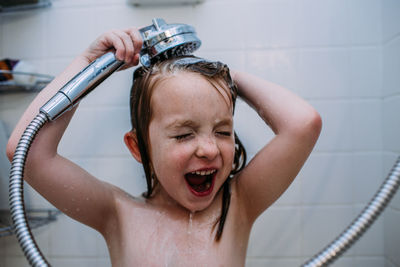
{"x":201,"y":201}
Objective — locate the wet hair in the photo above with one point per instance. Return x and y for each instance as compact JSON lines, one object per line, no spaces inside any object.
{"x":144,"y":82}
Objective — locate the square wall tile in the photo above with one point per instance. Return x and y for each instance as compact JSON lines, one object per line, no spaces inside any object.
{"x":327,"y":179}
{"x":324,"y":73}
{"x":275,"y":65}
{"x":337,"y":125}
{"x":366,"y":71}
{"x":271,"y":24}
{"x":321,"y":224}
{"x":328,"y":26}
{"x":367,"y":124}
{"x":391,"y":125}
{"x":391,"y":68}
{"x":366,"y":176}
{"x":223,"y":27}
{"x":390,"y":19}
{"x":23,"y":35}
{"x":276,"y":234}
{"x":392,"y":235}
{"x":366,"y":21}
{"x":69,"y":31}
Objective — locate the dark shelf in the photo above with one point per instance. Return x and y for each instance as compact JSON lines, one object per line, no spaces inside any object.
{"x":36,"y":218}
{"x":11,"y":86}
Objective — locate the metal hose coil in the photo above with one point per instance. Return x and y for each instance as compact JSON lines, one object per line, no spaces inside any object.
{"x":358,"y":227}
{"x":16,"y":197}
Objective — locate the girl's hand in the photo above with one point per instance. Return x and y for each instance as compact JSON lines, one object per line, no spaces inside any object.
{"x":126,"y":44}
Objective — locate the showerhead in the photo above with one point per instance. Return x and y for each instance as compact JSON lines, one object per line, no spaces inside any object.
{"x":162,"y":41}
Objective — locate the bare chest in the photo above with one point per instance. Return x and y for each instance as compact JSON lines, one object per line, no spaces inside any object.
{"x":165,"y":241}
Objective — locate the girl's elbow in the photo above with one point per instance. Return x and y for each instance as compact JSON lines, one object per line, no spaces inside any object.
{"x":313,"y":125}
{"x":10,"y":149}
{"x":316,"y":122}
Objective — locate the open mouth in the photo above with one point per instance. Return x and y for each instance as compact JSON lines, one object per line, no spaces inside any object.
{"x":201,"y":183}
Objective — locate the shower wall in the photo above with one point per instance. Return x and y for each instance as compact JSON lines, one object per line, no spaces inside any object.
{"x":334,"y":53}
{"x":391,"y":122}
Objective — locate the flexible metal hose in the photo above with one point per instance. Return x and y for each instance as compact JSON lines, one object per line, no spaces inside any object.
{"x":361,"y":224}
{"x":16,"y":197}
{"x":327,"y":256}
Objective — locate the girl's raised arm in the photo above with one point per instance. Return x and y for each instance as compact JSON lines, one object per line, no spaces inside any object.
{"x":61,"y":182}
{"x":296,"y":126}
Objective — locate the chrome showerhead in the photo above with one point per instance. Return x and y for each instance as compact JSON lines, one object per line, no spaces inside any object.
{"x":162,"y":41}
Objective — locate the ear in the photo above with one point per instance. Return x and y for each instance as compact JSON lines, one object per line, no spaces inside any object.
{"x":131,"y":143}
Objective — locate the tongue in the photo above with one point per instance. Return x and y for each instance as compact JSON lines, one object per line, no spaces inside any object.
{"x":195,"y":180}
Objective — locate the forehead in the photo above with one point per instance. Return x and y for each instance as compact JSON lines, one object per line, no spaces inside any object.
{"x":190,"y":86}
{"x":190,"y":94}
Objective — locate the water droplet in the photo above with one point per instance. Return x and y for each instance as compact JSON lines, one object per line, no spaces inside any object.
{"x":189,"y":231}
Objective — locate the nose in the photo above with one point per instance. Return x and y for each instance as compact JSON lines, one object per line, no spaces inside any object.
{"x":207,"y":148}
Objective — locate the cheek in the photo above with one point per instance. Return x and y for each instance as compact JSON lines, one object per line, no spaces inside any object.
{"x":179,"y":154}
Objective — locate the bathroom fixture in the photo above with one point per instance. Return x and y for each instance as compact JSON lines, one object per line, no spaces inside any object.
{"x":36,"y":217}
{"x":68,"y":96}
{"x":39,"y":81}
{"x":164,"y":2}
{"x":362,"y":222}
{"x":21,"y":5}
{"x":160,"y":41}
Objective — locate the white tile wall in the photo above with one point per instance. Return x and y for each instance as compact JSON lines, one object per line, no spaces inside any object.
{"x":341,"y":55}
{"x":277,"y":28}
{"x":280,"y":227}
{"x":366,"y":71}
{"x":391,"y":67}
{"x":20,"y":41}
{"x":391,"y":19}
{"x":324,"y":72}
{"x":326,"y":179}
{"x":391,"y":130}
{"x":320,"y":224}
{"x":392,"y":235}
{"x":329,"y":26}
{"x":391,"y":124}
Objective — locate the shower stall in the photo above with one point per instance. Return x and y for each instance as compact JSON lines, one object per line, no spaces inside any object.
{"x":342,"y":56}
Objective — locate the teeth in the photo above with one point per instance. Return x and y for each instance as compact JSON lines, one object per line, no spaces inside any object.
{"x":208,"y":185}
{"x":203,"y":172}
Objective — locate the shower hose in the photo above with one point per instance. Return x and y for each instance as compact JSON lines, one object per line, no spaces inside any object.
{"x":325,"y":257}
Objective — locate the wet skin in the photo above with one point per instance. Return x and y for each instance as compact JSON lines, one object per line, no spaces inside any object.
{"x":191,"y":130}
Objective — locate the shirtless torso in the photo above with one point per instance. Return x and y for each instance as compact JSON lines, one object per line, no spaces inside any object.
{"x":149,"y":234}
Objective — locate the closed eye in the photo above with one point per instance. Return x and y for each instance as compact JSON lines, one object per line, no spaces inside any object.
{"x":182,"y":136}
{"x":225,"y":133}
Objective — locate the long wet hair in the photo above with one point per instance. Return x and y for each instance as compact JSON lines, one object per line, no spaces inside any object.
{"x":144,"y":82}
